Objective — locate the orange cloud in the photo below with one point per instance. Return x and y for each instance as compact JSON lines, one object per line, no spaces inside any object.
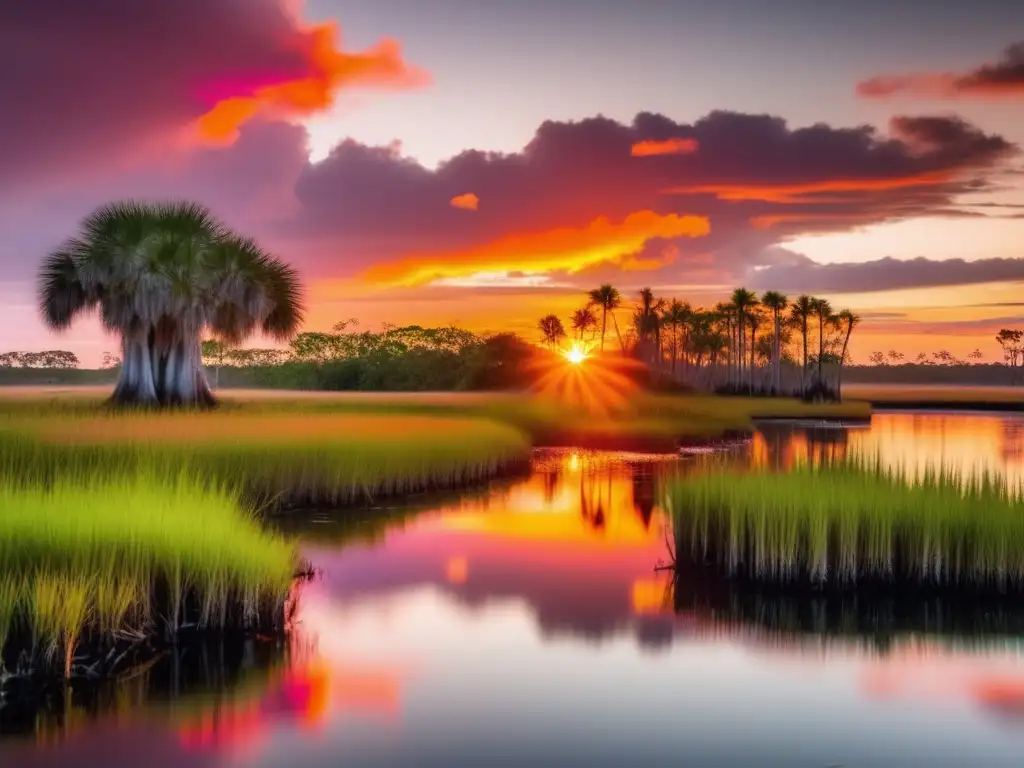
{"x":329,"y":70}
{"x":674,"y":146}
{"x":796,"y":193}
{"x":467,"y":202}
{"x":773,"y":220}
{"x":565,"y":249}
{"x":1001,"y":79}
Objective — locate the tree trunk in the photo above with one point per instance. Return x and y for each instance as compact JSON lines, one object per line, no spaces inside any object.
{"x":753,"y":348}
{"x":176,"y":363}
{"x":777,"y":354}
{"x":842,"y":360}
{"x":675,"y":341}
{"x":821,"y":349}
{"x":135,"y":384}
{"x":803,"y":373}
{"x":622,"y":345}
{"x":604,"y":325}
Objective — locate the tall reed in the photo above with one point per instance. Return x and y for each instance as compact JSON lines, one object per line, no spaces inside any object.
{"x":855,"y":521}
{"x":88,"y":562}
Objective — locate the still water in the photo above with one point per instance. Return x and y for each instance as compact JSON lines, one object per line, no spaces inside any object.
{"x":527,"y":625}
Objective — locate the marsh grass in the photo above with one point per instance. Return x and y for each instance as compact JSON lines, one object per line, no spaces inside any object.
{"x":636,"y":421}
{"x":87,"y":562}
{"x":853,"y":523}
{"x":276,"y":458}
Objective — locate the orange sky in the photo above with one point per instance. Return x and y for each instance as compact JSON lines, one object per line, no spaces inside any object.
{"x":380,"y":159}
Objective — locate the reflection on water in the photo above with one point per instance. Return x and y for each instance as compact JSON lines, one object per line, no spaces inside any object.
{"x":529,"y":625}
{"x":971,"y":442}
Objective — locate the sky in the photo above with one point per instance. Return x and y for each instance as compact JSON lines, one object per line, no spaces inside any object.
{"x":487,"y":163}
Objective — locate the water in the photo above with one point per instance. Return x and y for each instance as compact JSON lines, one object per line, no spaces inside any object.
{"x":528,"y":625}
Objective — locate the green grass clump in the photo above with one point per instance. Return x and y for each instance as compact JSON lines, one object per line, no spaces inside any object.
{"x":853,"y":522}
{"x":274,"y":457}
{"x":89,"y":561}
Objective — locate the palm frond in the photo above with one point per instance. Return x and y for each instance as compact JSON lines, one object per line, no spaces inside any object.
{"x":288,"y":307}
{"x":60,"y":293}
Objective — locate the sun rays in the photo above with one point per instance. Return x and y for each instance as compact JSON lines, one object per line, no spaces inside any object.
{"x":597,"y":384}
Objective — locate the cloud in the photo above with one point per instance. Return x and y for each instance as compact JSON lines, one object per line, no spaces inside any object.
{"x":673,"y":146}
{"x":99,"y":87}
{"x":567,"y":249}
{"x":329,"y":70}
{"x":573,"y":204}
{"x":755,"y":180}
{"x":795,"y":193}
{"x":1003,"y":79}
{"x":884,"y":274}
{"x":467,"y":202}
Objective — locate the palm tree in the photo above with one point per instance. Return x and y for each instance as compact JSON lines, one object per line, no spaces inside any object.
{"x":609,"y":299}
{"x":754,"y":320}
{"x":647,"y":321}
{"x":777,"y":303}
{"x":160,"y":275}
{"x":743,"y":301}
{"x":850,"y":320}
{"x":800,"y":314}
{"x":723,"y":314}
{"x":583,"y":320}
{"x":823,"y":310}
{"x":676,"y":315}
{"x":552,"y":329}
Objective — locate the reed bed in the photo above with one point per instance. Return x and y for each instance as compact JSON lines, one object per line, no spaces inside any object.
{"x":98,"y":566}
{"x":851,"y":524}
{"x":275,"y":458}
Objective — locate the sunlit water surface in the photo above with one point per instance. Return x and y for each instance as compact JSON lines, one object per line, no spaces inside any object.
{"x":528,"y":625}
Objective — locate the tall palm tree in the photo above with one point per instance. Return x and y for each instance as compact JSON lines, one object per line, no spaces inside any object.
{"x":160,"y":275}
{"x":754,"y":320}
{"x":583,"y":320}
{"x":743,"y":301}
{"x":608,"y":298}
{"x":849,"y":319}
{"x":823,"y":310}
{"x":723,"y":314}
{"x":647,"y":321}
{"x":676,"y":315}
{"x":777,"y":303}
{"x":552,"y":329}
{"x":800,"y":314}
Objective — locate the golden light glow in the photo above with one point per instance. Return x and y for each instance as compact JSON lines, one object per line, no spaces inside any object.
{"x":576,"y":354}
{"x":571,"y":249}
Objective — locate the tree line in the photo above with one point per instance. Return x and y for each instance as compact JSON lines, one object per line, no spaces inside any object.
{"x":404,"y":358}
{"x":740,"y":345}
{"x":51,"y":358}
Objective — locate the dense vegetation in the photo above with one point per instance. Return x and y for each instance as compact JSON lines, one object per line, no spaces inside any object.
{"x":275,"y":458}
{"x":89,"y":563}
{"x":842,"y":525}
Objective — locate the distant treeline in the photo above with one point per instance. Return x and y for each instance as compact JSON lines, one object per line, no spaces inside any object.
{"x":409,"y":358}
{"x":51,"y":358}
{"x":993,"y":374}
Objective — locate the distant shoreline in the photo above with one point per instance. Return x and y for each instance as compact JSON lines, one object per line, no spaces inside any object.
{"x":941,"y":397}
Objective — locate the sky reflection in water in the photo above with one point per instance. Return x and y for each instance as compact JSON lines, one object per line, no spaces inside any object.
{"x":528,"y":626}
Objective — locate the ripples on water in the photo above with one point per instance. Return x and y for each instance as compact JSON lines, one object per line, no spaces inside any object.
{"x":527,"y":624}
